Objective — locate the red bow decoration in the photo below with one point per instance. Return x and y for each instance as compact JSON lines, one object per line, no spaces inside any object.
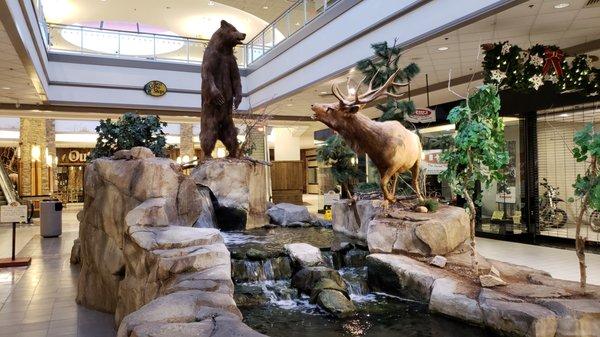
{"x":553,"y":58}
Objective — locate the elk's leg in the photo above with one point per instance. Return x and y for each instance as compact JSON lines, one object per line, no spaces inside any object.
{"x":385,"y":179}
{"x":415,"y":179}
{"x":394,"y":184}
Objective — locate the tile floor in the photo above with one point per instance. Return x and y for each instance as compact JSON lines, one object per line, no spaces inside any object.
{"x":39,"y":301}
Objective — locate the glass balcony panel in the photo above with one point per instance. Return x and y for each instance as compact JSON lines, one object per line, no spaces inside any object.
{"x":256,"y":47}
{"x":282,"y":29}
{"x":313,"y":9}
{"x":58,"y":38}
{"x":132,"y":45}
{"x":268,"y":38}
{"x":240,"y":54}
{"x":197,"y":49}
{"x":296,"y":18}
{"x":96,"y":41}
{"x":172,"y":49}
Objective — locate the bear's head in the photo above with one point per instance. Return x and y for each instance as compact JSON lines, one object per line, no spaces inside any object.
{"x":227,"y":35}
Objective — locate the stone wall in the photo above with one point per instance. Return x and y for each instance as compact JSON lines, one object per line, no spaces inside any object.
{"x":238,"y":184}
{"x":142,"y":259}
{"x":186,"y":140}
{"x":40,"y":132}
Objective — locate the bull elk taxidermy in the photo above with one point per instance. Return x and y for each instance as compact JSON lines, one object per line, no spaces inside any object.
{"x":392,"y":148}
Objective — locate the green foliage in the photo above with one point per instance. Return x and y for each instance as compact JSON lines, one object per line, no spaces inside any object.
{"x":439,"y":142}
{"x":128,"y":131}
{"x":385,"y":63}
{"x":367,"y":187}
{"x":479,"y":150}
{"x":336,"y":153}
{"x":587,"y":148}
{"x":431,"y":204}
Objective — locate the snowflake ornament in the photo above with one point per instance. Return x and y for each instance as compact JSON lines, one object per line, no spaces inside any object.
{"x":552,"y":78}
{"x":536,"y":61}
{"x":498,"y":75}
{"x":537,"y":81}
{"x":524,"y":54}
{"x":506,"y":48}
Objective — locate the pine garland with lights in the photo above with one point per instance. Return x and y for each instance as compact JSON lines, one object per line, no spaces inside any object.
{"x":509,"y":66}
{"x":382,"y":67}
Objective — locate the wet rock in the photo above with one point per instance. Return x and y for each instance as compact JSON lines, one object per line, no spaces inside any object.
{"x":401,"y":275}
{"x":355,"y":258}
{"x":344,"y":219}
{"x":438,"y":261}
{"x":304,"y":255}
{"x":450,"y":298}
{"x":75,"y":252}
{"x":269,"y":269}
{"x":489,"y":281}
{"x":306,"y":279}
{"x":239,"y":186}
{"x":284,"y":214}
{"x":249,"y":296}
{"x":336,"y":303}
{"x":254,"y":254}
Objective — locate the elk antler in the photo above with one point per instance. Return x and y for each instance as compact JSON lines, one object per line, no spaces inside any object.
{"x":369,"y":95}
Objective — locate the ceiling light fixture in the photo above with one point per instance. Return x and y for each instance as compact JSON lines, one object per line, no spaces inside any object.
{"x":6,"y":88}
{"x":563,"y":115}
{"x":562,"y":5}
{"x":442,"y":48}
{"x":211,"y":3}
{"x":265,"y":7}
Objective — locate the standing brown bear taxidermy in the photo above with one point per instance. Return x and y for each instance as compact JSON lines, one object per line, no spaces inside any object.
{"x":221,"y":90}
{"x":392,"y":148}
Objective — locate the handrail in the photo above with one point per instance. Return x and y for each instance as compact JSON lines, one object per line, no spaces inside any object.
{"x":191,"y":49}
{"x":7,"y":186}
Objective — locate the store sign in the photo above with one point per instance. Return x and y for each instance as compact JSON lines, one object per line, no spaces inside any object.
{"x":13,"y":213}
{"x":422,"y":115}
{"x":330,"y":198}
{"x":155,"y":88}
{"x":431,"y":162}
{"x":73,"y":156}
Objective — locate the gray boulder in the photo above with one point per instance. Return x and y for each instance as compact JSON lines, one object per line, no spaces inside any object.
{"x":284,"y":214}
{"x":306,"y":279}
{"x":304,"y":255}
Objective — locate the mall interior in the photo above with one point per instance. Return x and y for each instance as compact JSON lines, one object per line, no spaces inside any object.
{"x":68,"y":65}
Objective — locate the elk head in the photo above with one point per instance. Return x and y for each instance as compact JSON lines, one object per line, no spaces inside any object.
{"x":331,"y":114}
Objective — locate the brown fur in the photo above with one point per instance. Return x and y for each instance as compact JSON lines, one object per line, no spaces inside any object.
{"x":221,"y":90}
{"x":392,"y":148}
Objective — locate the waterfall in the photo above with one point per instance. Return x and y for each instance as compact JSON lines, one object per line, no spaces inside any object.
{"x":207,"y":218}
{"x":356,"y":282}
{"x":270,"y":269}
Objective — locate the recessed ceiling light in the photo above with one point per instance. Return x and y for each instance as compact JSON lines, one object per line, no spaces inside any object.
{"x":562,"y":5}
{"x":443,"y":48}
{"x":6,"y":88}
{"x":265,"y":7}
{"x":563,"y":115}
{"x":289,"y":104}
{"x":324,"y":92}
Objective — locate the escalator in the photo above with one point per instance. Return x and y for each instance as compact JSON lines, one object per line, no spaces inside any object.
{"x":8,"y":193}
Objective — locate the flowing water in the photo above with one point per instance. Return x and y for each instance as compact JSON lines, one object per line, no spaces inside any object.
{"x":271,"y":306}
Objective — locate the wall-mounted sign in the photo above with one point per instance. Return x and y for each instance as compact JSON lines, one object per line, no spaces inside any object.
{"x":432,"y":163}
{"x":72,"y":156}
{"x":155,"y":88}
{"x":329,"y":198}
{"x":422,"y":115}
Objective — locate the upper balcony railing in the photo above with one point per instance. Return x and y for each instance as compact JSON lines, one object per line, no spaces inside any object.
{"x":75,"y":39}
{"x":288,"y":23}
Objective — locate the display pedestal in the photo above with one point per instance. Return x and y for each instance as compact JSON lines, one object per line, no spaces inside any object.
{"x":14,"y":261}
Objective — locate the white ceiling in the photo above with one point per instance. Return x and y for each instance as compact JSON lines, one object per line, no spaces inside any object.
{"x":15,"y":84}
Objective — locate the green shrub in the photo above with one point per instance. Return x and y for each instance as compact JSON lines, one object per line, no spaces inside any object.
{"x":431,"y":204}
{"x":128,"y":131}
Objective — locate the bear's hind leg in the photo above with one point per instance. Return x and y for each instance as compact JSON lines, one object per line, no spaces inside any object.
{"x":228,"y":135}
{"x":208,"y":139}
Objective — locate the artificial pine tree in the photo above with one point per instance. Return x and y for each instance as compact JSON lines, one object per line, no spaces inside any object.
{"x":382,"y":67}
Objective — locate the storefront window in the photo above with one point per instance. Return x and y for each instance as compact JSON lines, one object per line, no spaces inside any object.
{"x":557,"y":170}
{"x":503,"y":204}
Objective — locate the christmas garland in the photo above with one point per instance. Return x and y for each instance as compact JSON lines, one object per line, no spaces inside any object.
{"x":509,"y":66}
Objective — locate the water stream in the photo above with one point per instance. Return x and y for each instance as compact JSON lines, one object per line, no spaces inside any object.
{"x":271,"y":306}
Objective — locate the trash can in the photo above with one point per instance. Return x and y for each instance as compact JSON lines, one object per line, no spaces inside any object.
{"x":51,"y":218}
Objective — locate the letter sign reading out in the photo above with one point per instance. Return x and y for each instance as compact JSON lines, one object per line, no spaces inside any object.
{"x":155,"y":88}
{"x":9,"y":213}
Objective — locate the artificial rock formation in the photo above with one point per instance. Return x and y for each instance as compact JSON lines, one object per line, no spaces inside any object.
{"x":240,"y":188}
{"x":142,"y":259}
